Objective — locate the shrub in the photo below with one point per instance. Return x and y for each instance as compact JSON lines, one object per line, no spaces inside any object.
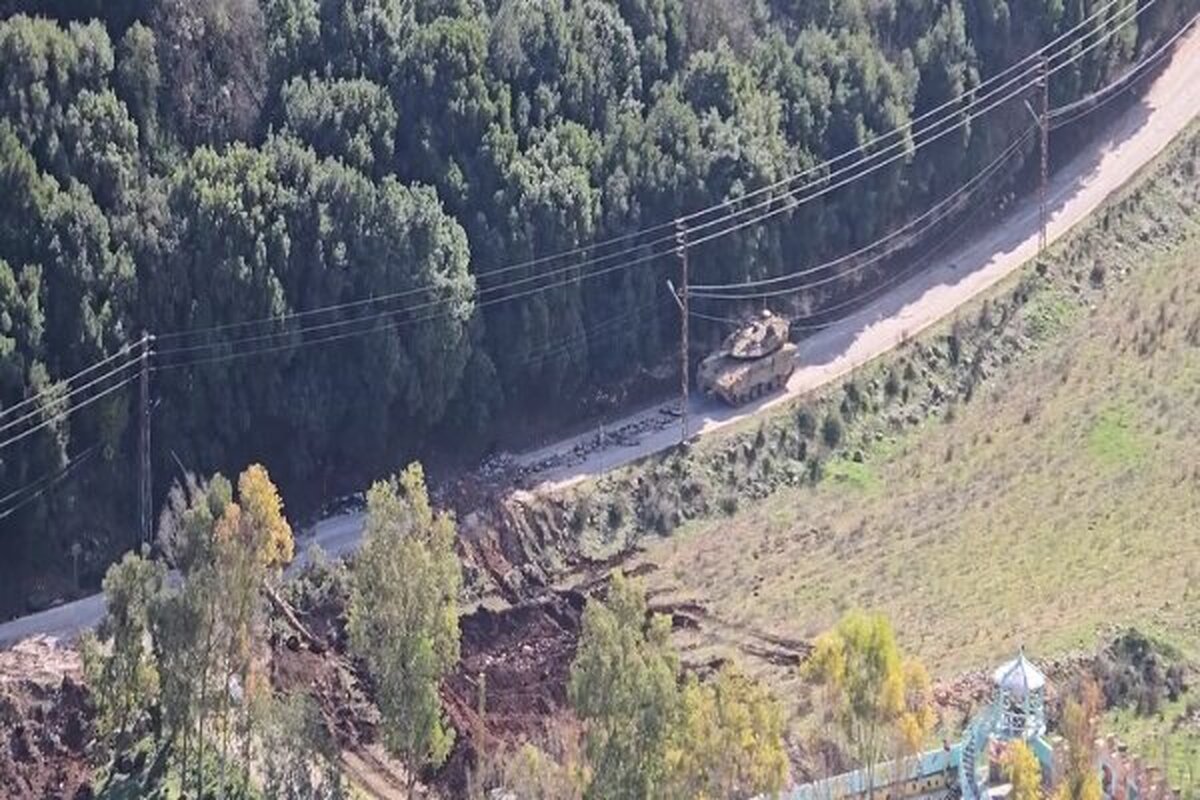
{"x":891,"y":386}
{"x":616,"y":514}
{"x":831,"y":430}
{"x":806,"y":423}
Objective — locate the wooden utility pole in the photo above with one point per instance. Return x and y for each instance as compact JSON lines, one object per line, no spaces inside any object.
{"x":681,"y":251}
{"x":144,"y":490}
{"x":1044,"y":123}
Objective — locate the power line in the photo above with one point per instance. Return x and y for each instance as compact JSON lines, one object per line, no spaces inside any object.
{"x":64,"y":414}
{"x":950,"y":202}
{"x":336,"y":328}
{"x":43,"y":484}
{"x":1098,"y":99}
{"x":342,"y":324}
{"x":815,"y":169}
{"x":58,"y":401}
{"x":874,"y":291}
{"x":749,"y":284}
{"x":125,"y":350}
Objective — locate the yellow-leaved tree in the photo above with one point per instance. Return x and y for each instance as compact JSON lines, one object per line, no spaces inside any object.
{"x":729,"y":742}
{"x":877,"y":699}
{"x":1081,"y":780}
{"x":1023,"y":771}
{"x":261,"y":509}
{"x":649,"y":737}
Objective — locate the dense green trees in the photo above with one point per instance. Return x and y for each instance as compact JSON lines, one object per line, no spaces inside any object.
{"x":175,"y":165}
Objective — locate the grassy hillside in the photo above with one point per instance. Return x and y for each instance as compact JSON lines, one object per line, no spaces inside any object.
{"x":1026,"y":474}
{"x":1064,"y":498}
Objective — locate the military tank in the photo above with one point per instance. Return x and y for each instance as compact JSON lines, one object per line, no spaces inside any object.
{"x":755,"y":359}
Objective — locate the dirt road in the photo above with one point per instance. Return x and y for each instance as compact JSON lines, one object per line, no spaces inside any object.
{"x":1128,"y":142}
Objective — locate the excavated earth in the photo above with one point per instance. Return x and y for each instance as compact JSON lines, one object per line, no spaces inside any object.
{"x":46,"y":731}
{"x":511,"y":681}
{"x":515,"y":659}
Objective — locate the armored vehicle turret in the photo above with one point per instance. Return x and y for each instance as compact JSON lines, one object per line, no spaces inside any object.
{"x":755,"y":359}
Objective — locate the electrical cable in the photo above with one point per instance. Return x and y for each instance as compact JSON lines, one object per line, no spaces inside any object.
{"x":950,"y":201}
{"x":58,"y":401}
{"x":44,"y":483}
{"x":1098,"y":99}
{"x":64,"y":414}
{"x":731,"y":286}
{"x":125,"y":349}
{"x":694,"y":215}
{"x":340,"y":324}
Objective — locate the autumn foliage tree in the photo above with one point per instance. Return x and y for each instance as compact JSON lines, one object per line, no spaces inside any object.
{"x":1023,"y":771}
{"x":1080,"y":716}
{"x":189,"y":651}
{"x":879,"y":701}
{"x":730,"y":741}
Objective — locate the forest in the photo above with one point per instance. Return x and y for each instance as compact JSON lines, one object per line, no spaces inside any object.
{"x":441,"y":181}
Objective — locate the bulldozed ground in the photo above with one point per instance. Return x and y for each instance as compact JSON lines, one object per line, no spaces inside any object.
{"x":45,"y":723}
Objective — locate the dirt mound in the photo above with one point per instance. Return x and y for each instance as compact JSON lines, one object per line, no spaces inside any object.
{"x":45,"y":723}
{"x":516,"y":661}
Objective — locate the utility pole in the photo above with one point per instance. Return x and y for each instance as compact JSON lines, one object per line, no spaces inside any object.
{"x":681,"y":251}
{"x":1044,"y":121}
{"x":144,"y":485}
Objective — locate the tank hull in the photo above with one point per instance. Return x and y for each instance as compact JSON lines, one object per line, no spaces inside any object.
{"x":737,"y":381}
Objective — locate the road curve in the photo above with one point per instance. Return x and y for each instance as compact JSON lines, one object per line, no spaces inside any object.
{"x":1128,"y":143}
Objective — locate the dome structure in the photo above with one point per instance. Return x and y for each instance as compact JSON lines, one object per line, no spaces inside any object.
{"x":1019,"y":678}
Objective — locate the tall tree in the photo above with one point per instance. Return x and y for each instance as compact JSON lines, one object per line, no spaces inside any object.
{"x":403,"y":615}
{"x":1023,"y":771}
{"x":623,"y":686}
{"x":859,"y":666}
{"x":1081,"y":712}
{"x":119,"y":659}
{"x":730,"y":742}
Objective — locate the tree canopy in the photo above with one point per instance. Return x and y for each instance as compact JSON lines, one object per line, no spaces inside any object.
{"x":181,"y":166}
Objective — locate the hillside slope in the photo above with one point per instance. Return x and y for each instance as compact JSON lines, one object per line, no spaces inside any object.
{"x":1054,"y":491}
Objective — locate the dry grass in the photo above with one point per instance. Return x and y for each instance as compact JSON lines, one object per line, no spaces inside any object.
{"x":1062,"y":500}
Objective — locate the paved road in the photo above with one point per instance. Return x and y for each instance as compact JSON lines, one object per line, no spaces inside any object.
{"x":1128,"y":143}
{"x":337,"y":536}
